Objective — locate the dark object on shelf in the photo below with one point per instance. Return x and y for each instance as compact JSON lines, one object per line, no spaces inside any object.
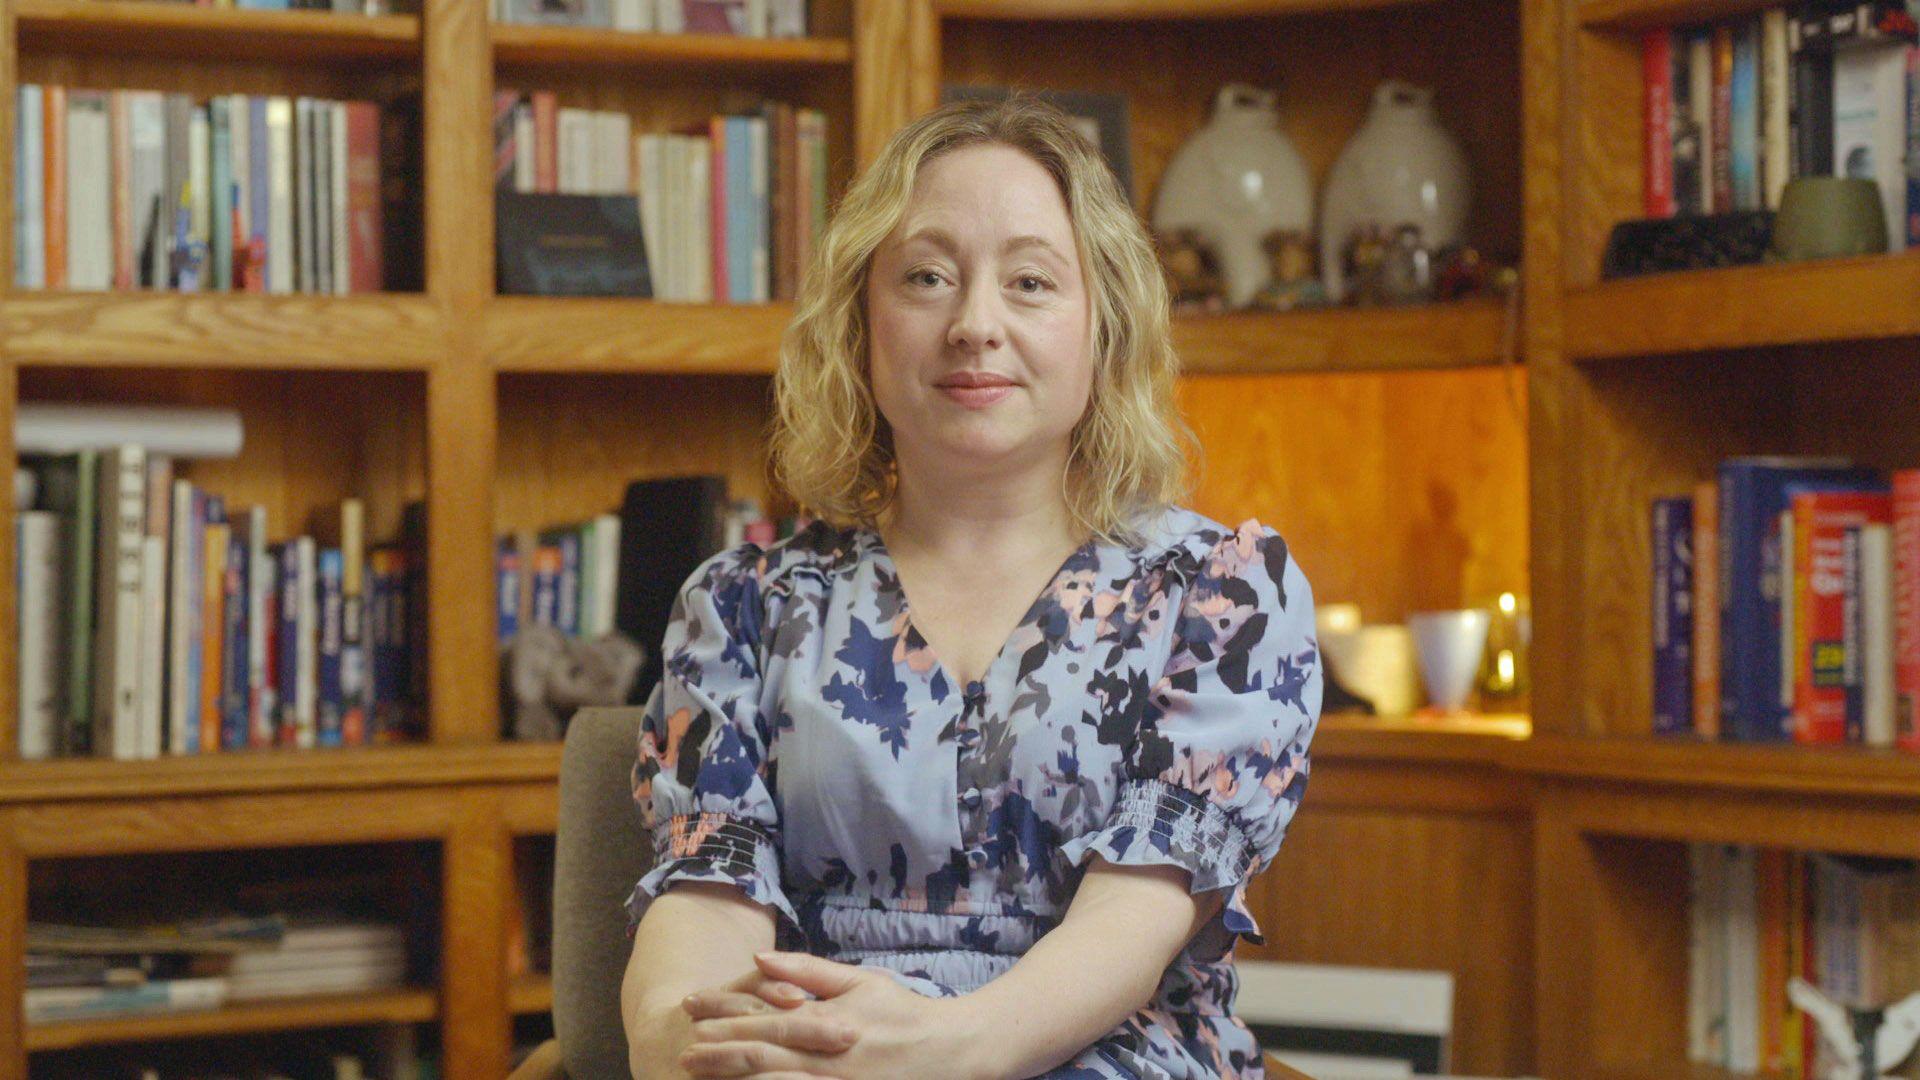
{"x":1339,"y":699}
{"x":668,"y":527}
{"x":1102,"y":118}
{"x":550,"y":676}
{"x":1657,"y":245}
{"x":1193,"y":272}
{"x":570,"y":245}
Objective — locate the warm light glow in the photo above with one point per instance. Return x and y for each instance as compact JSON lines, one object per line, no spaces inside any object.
{"x":1507,"y":603}
{"x":1505,"y":666}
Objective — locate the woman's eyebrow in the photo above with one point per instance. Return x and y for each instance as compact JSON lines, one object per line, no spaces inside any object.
{"x":942,"y":239}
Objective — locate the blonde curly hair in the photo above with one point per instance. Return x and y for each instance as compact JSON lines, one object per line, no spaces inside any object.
{"x":831,"y":447}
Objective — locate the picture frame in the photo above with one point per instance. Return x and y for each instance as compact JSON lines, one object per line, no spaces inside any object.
{"x":1101,"y":117}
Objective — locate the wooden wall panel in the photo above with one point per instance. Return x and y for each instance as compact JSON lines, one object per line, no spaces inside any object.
{"x":1402,"y":492}
{"x":1410,"y":889}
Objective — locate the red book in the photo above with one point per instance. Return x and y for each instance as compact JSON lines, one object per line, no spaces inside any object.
{"x":1906,"y":609}
{"x":1656,"y":65}
{"x":1828,"y":658}
{"x":546,"y":142}
{"x":365,"y":272}
{"x":53,"y":127}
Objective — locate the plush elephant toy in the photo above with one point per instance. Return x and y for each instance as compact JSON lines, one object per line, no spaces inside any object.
{"x":1865,"y":1043}
{"x":549,"y":675}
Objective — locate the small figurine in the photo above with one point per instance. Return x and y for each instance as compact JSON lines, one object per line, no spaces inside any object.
{"x":1460,"y":272}
{"x":1406,"y":274}
{"x":1193,"y":270}
{"x":1365,"y":258}
{"x":1864,"y":1044}
{"x":1294,"y":279}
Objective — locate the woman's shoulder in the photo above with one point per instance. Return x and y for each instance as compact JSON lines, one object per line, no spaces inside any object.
{"x":1192,"y":547}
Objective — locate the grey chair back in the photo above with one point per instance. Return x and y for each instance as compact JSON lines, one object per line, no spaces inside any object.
{"x":600,"y":852}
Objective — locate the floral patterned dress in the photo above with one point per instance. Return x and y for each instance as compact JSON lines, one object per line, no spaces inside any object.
{"x":1154,"y":706}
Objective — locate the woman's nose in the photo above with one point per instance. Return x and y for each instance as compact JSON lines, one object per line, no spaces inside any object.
{"x":979,"y":323}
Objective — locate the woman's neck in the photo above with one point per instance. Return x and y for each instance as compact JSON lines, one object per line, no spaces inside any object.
{"x":1004,"y":517}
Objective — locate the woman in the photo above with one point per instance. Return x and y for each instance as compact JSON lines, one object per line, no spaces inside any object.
{"x":1002,"y":828}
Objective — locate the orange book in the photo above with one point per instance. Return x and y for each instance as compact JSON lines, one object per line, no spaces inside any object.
{"x":213,"y":624}
{"x":53,"y":129}
{"x":1706,"y":610}
{"x":1826,"y":697}
{"x":121,"y":129}
{"x":1772,"y":905}
{"x":546,"y":142}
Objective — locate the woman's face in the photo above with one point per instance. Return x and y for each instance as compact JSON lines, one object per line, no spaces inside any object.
{"x":979,"y":354}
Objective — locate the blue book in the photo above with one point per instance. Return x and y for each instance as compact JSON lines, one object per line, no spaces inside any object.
{"x":1744,"y":90}
{"x":287,"y":673}
{"x":259,"y":183}
{"x":234,"y":731}
{"x":1673,"y":616}
{"x":189,"y":730}
{"x":506,"y":562}
{"x":546,"y":590}
{"x":567,"y":614}
{"x":1753,"y":492}
{"x":330,"y":569}
{"x":742,"y":215}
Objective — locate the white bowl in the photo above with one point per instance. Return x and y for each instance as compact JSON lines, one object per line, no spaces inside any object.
{"x":1450,"y":644}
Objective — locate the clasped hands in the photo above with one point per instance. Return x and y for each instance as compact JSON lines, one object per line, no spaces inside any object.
{"x":860,"y":1023}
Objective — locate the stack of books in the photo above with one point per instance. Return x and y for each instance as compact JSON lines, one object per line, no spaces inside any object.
{"x":154,"y":619}
{"x":741,"y":18}
{"x":1735,"y":109}
{"x":1848,"y":926}
{"x":1786,"y":604}
{"x":130,"y":189}
{"x":729,"y":209}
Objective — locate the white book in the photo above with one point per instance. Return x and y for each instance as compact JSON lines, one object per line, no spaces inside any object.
{"x":259,"y":585}
{"x":700,"y":220}
{"x":200,"y":183}
{"x":524,"y":137}
{"x":340,"y":244}
{"x":116,"y":668}
{"x":153,"y":644}
{"x":38,"y":550}
{"x":646,"y":177}
{"x":1706,"y":998}
{"x":612,"y":152}
{"x":757,"y":18}
{"x":669,"y":17}
{"x":1870,"y":127}
{"x":89,"y":191}
{"x":758,"y":159}
{"x":787,"y":18}
{"x":240,"y":168}
{"x":1743,"y":961}
{"x":30,"y":269}
{"x":606,"y":565}
{"x":1775,"y":79}
{"x":280,"y":196}
{"x":633,"y":15}
{"x":574,"y":137}
{"x":306,"y":658}
{"x":183,"y":698}
{"x":1876,"y":604}
{"x":302,"y":164}
{"x":147,"y":180}
{"x":300,"y":984}
{"x":676,"y":166}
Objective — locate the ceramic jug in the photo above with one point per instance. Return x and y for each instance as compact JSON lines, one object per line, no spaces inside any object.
{"x":1234,"y":181}
{"x":1400,"y":168}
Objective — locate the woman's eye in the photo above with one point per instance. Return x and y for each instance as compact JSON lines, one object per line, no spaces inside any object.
{"x":1030,"y":283}
{"x":928,"y":278}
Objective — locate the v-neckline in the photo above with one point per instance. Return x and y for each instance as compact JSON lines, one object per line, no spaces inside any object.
{"x":939,"y":666}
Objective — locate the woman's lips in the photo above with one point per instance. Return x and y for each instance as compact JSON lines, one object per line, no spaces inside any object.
{"x":977,"y":397}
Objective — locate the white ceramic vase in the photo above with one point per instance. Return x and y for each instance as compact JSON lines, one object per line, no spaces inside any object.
{"x":1400,"y":168}
{"x":1376,"y":663}
{"x":1234,"y":181}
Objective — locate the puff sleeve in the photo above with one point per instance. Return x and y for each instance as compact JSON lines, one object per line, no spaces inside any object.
{"x":1218,"y":764}
{"x":702,"y":779}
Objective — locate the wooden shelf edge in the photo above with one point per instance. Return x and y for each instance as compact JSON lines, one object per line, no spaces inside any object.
{"x":1469,"y":333}
{"x":1783,"y":769}
{"x":530,"y":994}
{"x":390,"y":1007}
{"x":1746,"y":307}
{"x":533,"y":44}
{"x":277,"y":771}
{"x":1155,"y":9}
{"x":382,"y":331}
{"x":564,"y":334}
{"x":1646,"y":14}
{"x":173,"y":28}
{"x":1477,"y":738}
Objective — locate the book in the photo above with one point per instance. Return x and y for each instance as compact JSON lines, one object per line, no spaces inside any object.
{"x":116,"y":642}
{"x":1743,"y":97}
{"x":37,"y":551}
{"x":1706,"y":610}
{"x":1824,"y":679}
{"x":1906,"y":607}
{"x":668,"y":527}
{"x":1672,"y":616}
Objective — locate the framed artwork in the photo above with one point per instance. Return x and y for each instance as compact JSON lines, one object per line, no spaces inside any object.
{"x":1102,"y":118}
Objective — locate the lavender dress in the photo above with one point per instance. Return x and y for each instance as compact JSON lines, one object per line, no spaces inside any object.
{"x":1154,"y":706}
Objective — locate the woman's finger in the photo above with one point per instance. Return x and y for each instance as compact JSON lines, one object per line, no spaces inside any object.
{"x":784,"y":994}
{"x":729,"y":1059}
{"x":813,"y":1032}
{"x":708,"y":1004}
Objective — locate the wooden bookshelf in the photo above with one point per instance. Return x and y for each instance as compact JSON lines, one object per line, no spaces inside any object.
{"x":587,"y":47}
{"x":556,"y":334}
{"x":530,"y":994}
{"x":1466,"y":334}
{"x":388,"y":1007}
{"x":193,"y":33}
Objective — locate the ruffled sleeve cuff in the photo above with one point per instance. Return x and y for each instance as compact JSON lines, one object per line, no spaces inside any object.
{"x":719,"y":848}
{"x":1154,"y":823}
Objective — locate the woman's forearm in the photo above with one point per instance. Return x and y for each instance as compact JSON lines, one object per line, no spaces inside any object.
{"x":693,"y":936}
{"x":1099,"y":966}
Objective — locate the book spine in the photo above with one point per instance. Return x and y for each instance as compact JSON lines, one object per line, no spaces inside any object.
{"x":1775,"y":139}
{"x":328,"y":732}
{"x":507,"y":589}
{"x":122,"y":524}
{"x":30,"y":193}
{"x":505,"y":108}
{"x":366,"y":269}
{"x":266,"y":733}
{"x":291,"y":607}
{"x":1706,"y":610}
{"x":1876,"y":636}
{"x":1722,"y":130}
{"x":235,"y":661}
{"x":1913,"y":146}
{"x":760,"y":206}
{"x":546,"y":586}
{"x":260,"y":588}
{"x":546,"y":135}
{"x":147,"y":122}
{"x":1744,"y":117}
{"x":259,"y":171}
{"x":214,"y":550}
{"x":567,"y":614}
{"x":1656,"y":160}
{"x":153,"y":645}
{"x":120,"y":125}
{"x":282,"y":253}
{"x":37,"y":578}
{"x":220,"y":206}
{"x":1672,"y":618}
{"x":183,"y":713}
{"x":89,"y":191}
{"x":53,"y":184}
{"x":742,"y":212}
{"x":1906,"y":608}
{"x":720,"y":162}
{"x":353,"y":616}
